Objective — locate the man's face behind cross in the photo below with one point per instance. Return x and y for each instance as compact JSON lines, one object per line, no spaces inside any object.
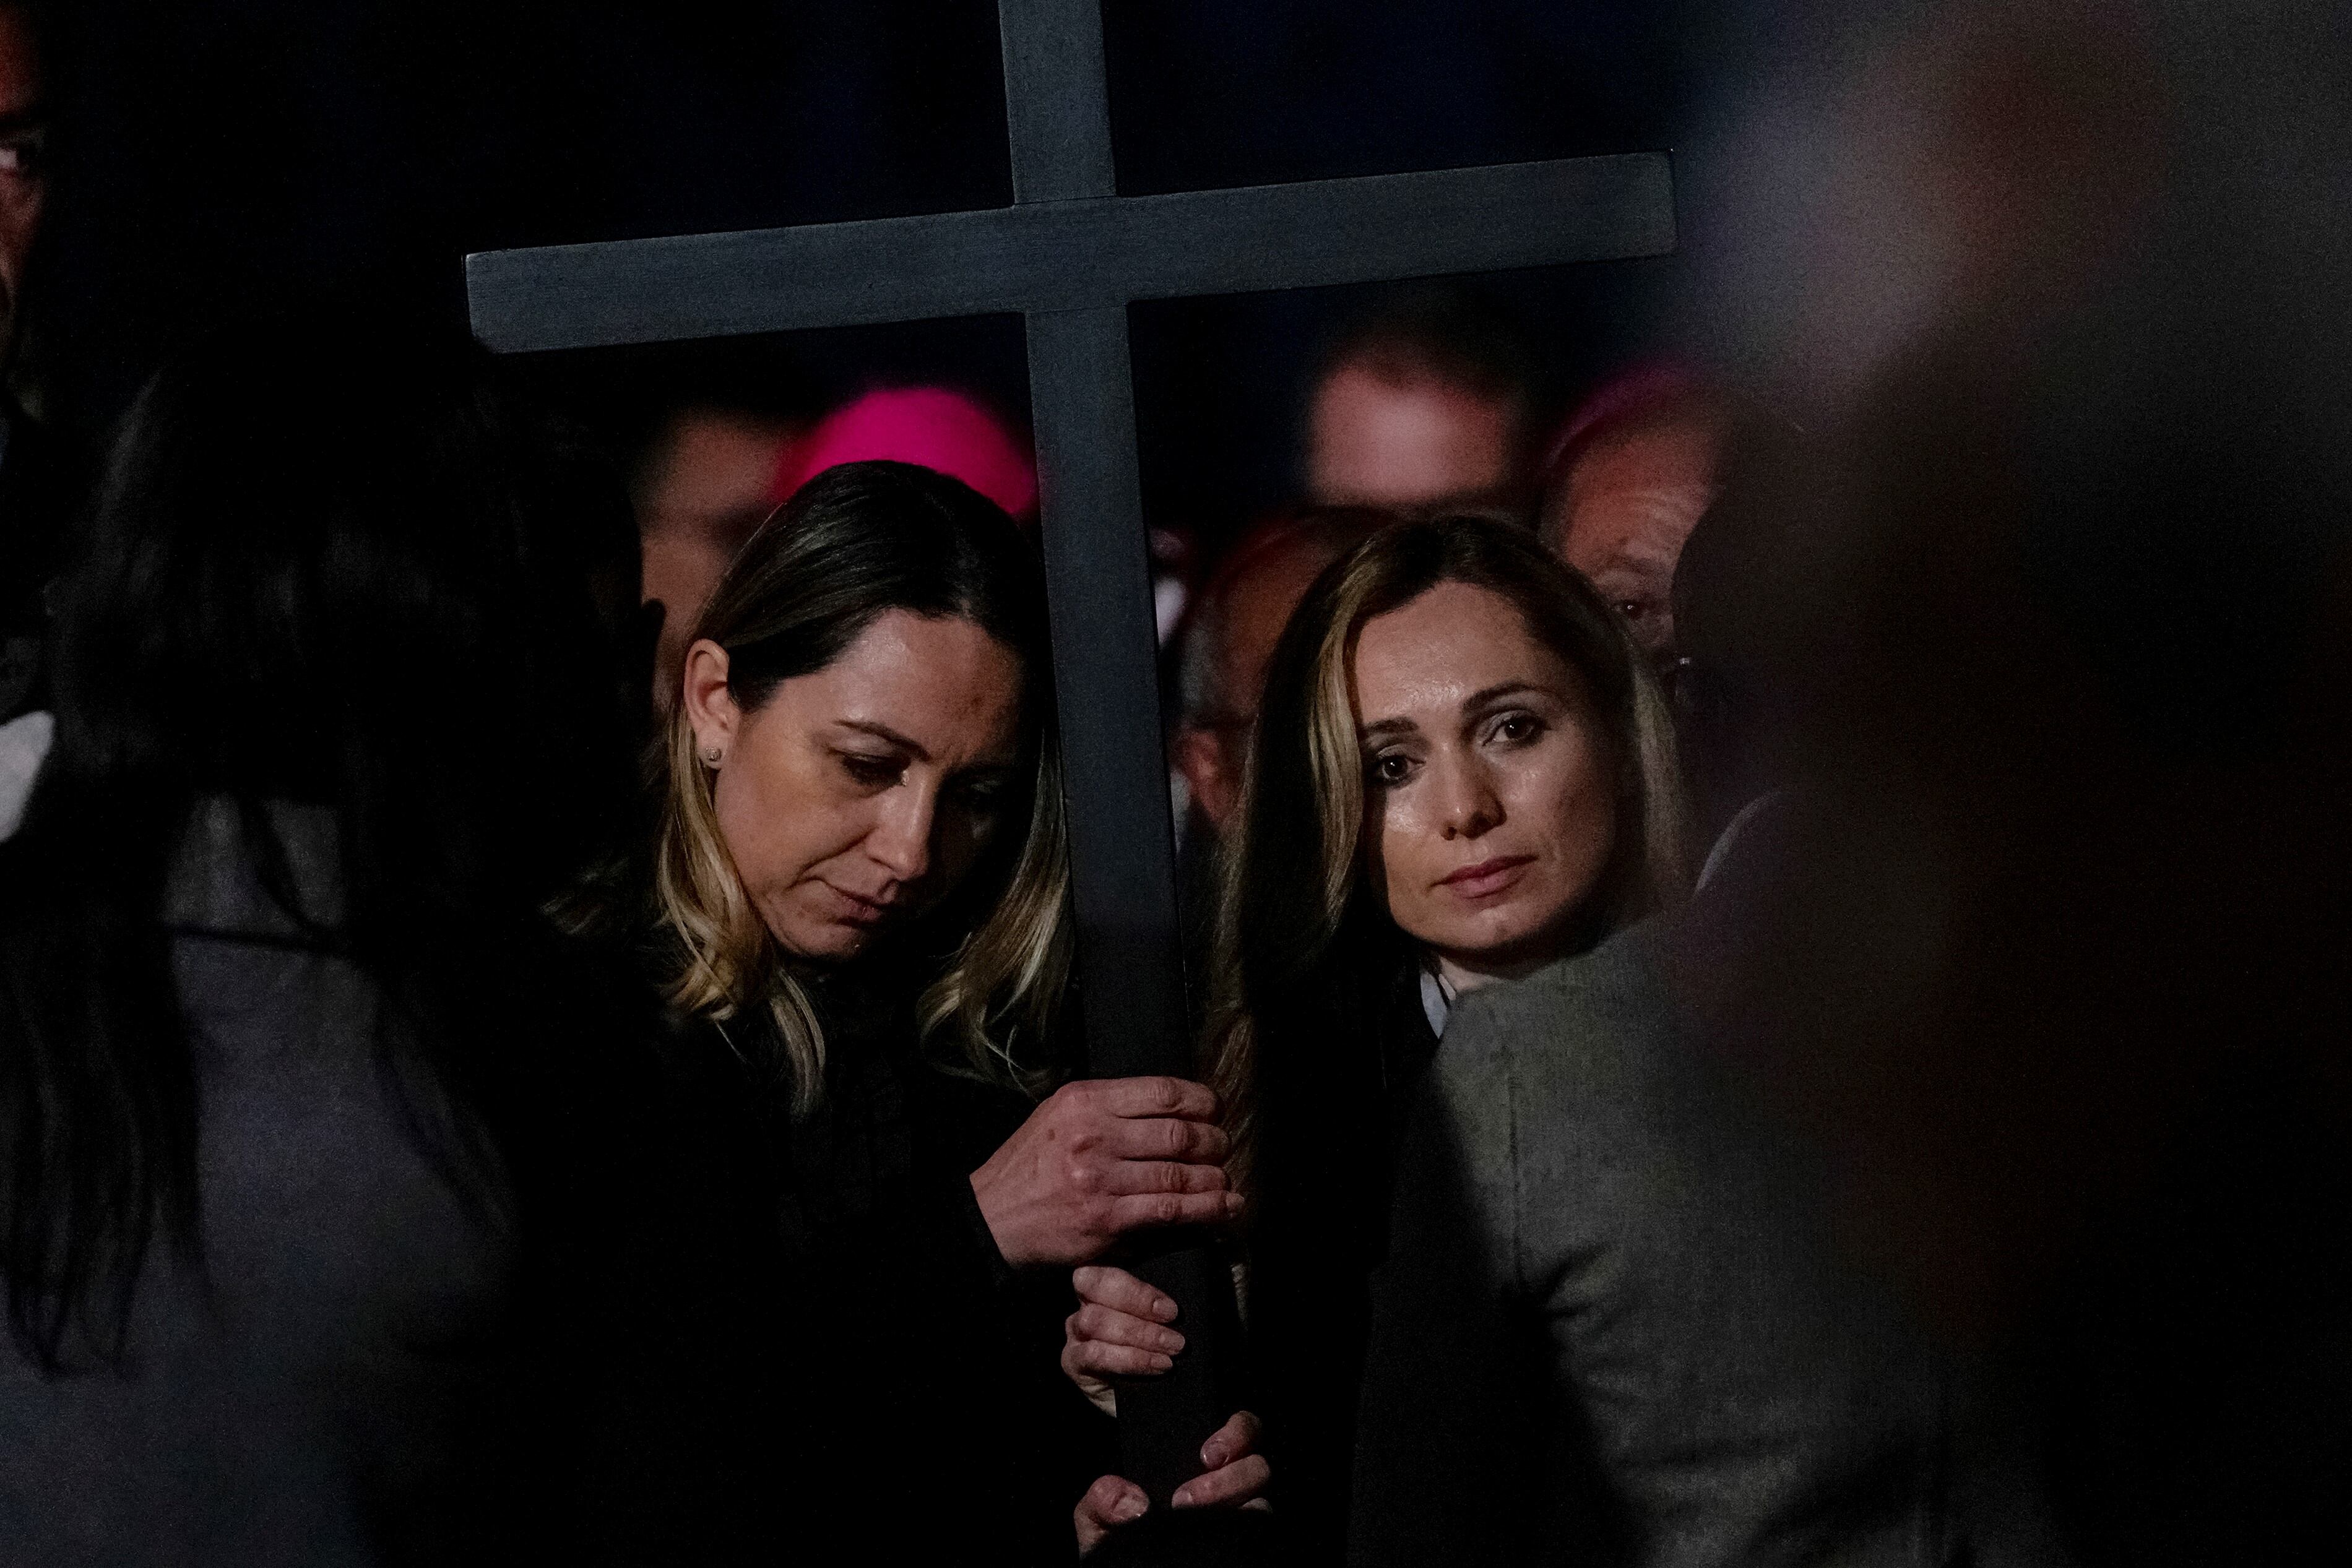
{"x":1243,"y":613}
{"x":1380,"y":438}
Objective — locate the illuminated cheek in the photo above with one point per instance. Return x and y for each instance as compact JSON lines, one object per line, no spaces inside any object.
{"x":1398,"y":844}
{"x":1578,"y":799}
{"x":744,"y":826}
{"x":776,"y":829}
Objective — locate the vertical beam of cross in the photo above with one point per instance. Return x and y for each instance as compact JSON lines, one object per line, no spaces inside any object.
{"x":1099,"y":584}
{"x":1105,"y":649}
{"x":1056,"y":107}
{"x":1097,"y":567}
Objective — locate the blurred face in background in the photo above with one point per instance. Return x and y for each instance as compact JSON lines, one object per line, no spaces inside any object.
{"x":24,"y":180}
{"x":1210,"y":747}
{"x":856,"y":798}
{"x":1490,"y":792}
{"x":1411,"y":442}
{"x":704,"y":490}
{"x":1624,"y":510}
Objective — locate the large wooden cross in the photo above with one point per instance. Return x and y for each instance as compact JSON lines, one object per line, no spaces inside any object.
{"x":1069,"y":255}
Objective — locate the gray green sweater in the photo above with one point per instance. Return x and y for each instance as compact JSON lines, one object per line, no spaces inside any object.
{"x":1612,"y":1326}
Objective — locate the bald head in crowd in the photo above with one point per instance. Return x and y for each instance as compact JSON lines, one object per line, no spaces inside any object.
{"x":1230,"y":640}
{"x":1637,"y":471}
{"x":1424,"y":405}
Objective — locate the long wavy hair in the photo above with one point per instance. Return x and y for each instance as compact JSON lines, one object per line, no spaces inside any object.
{"x":853,"y":543}
{"x":1306,"y":952}
{"x":320,"y":546}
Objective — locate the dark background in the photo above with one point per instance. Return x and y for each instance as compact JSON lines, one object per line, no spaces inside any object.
{"x":216,"y":155}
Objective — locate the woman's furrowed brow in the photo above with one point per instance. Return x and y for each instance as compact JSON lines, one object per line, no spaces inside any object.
{"x":1388,"y":728}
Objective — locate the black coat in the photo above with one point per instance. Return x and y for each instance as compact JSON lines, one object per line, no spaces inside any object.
{"x":911,"y":1405}
{"x":1329,"y":1120}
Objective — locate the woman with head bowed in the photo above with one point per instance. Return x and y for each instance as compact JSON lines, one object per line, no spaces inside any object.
{"x":855,"y":905}
{"x":1523,"y":1283}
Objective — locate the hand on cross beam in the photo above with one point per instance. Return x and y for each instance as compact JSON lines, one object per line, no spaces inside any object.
{"x":1099,"y":1159}
{"x":1122,"y":1329}
{"x":1233,"y":1474}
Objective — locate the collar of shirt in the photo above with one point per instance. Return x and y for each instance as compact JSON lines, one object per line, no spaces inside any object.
{"x":1738,"y":824}
{"x":1437,"y":994}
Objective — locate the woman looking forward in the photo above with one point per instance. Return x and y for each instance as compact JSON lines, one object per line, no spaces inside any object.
{"x":1590,"y":1309}
{"x":1462,"y":772}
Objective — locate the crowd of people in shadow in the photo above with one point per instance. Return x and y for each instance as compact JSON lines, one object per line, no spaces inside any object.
{"x":1729,"y":1029}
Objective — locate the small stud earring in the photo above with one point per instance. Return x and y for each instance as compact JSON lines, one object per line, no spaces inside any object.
{"x":713,"y":758}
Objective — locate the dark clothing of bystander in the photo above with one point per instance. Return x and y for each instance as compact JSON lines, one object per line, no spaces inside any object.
{"x":401,"y":1339}
{"x":1611,"y":1322}
{"x":32,"y":537}
{"x":325,"y":1379}
{"x":1602,"y":1319}
{"x":1325,"y":1176}
{"x":2195,"y":1359}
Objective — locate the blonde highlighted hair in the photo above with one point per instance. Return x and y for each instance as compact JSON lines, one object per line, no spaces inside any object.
{"x":1305,"y":948}
{"x":855,"y":541}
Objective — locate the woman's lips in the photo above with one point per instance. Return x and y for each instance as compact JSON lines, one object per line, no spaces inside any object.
{"x":856,"y":909}
{"x":1488,"y":877}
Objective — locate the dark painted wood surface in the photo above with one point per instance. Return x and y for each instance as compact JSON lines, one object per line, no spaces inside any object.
{"x":1074,"y":255}
{"x":1057,"y":109}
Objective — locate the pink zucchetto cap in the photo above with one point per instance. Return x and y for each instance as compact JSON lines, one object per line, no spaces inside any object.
{"x":936,"y":427}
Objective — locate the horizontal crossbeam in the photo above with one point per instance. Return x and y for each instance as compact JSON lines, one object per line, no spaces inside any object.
{"x":1085,"y":254}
